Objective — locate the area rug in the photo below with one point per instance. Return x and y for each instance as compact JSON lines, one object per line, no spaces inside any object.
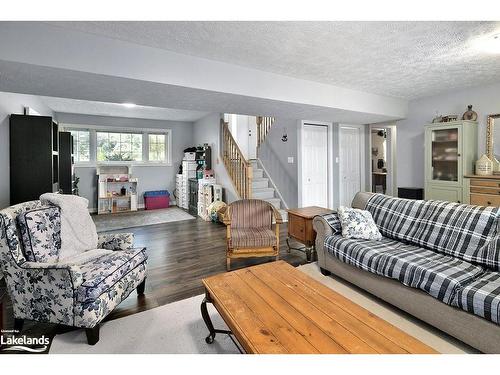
{"x":141,"y":218}
{"x":179,"y":328}
{"x":176,"y":328}
{"x":431,"y":336}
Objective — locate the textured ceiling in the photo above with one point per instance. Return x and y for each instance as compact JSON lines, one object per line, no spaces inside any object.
{"x":88,"y":107}
{"x":400,"y":59}
{"x":61,"y":83}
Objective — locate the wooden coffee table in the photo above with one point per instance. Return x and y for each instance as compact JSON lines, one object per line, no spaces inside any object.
{"x":274,"y":308}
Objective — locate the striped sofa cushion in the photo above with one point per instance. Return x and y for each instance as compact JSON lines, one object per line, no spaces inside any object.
{"x":481,"y":297}
{"x":364,"y":254}
{"x":251,"y":213}
{"x":243,"y":238}
{"x":333,"y":221}
{"x":490,"y":252}
{"x":437,"y":274}
{"x":458,"y":230}
{"x":396,"y":218}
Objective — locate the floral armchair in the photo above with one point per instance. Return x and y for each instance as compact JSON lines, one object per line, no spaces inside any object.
{"x":79,"y":291}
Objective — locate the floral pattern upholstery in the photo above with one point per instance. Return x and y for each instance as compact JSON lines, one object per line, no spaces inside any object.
{"x":102,"y":273}
{"x":358,"y":223}
{"x":41,"y":233}
{"x":49,"y":292}
{"x":116,"y":241}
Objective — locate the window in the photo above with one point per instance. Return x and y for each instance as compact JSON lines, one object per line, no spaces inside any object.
{"x":81,"y":145}
{"x":157,"y":147}
{"x":107,"y":144}
{"x":113,"y":146}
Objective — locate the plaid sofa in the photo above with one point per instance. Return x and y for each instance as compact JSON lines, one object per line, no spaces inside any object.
{"x":451,"y":251}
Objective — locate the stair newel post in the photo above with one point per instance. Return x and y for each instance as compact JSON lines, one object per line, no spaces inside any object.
{"x":249,"y":172}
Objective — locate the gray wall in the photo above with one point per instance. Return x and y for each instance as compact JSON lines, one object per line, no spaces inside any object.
{"x":12,"y":103}
{"x":274,"y":156}
{"x":150,"y":177}
{"x":207,"y":130}
{"x":410,"y":132}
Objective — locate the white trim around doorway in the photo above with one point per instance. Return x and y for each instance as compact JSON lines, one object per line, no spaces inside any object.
{"x":330,"y":161}
{"x":392,"y":186}
{"x":362,"y":160}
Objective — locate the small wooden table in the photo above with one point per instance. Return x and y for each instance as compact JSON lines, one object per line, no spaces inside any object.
{"x":300,"y":227}
{"x":275,"y":308}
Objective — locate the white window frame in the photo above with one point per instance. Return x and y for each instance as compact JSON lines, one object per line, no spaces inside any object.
{"x":166,"y":145}
{"x":90,"y":148}
{"x":93,"y":129}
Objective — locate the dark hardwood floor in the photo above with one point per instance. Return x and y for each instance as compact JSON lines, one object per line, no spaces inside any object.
{"x":180,"y":255}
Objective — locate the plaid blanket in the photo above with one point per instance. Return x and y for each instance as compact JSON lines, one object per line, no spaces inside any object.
{"x":481,"y":297}
{"x":439,"y":275}
{"x":460,"y":230}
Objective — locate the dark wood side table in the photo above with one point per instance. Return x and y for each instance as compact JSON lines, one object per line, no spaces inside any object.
{"x":300,"y":228}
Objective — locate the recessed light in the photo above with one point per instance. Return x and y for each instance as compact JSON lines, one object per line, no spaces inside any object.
{"x":488,"y":44}
{"x":129,"y":105}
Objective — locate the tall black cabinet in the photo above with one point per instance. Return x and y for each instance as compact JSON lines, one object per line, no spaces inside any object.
{"x":34,"y":157}
{"x":66,"y":161}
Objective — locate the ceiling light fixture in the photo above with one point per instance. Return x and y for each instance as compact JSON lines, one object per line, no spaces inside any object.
{"x":489,"y":44}
{"x":129,"y":105}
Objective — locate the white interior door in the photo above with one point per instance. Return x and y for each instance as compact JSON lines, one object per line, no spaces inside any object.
{"x":350,"y":163}
{"x":252,"y":137}
{"x":314,"y":165}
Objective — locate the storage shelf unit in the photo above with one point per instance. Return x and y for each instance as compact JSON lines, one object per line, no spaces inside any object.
{"x":182,"y":182}
{"x":111,"y":180}
{"x":34,"y":157}
{"x":450,"y":154}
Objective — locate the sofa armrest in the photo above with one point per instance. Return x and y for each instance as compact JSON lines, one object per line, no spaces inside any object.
{"x":53,"y":273}
{"x":322,"y":228}
{"x":115,"y":241}
{"x":45,"y":292}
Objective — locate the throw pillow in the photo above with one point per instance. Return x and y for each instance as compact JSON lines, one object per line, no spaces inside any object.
{"x":358,"y":223}
{"x":41,"y":234}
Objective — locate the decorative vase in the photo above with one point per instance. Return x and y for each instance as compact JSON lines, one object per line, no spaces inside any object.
{"x":496,"y":165}
{"x":469,"y":114}
{"x":484,"y":166}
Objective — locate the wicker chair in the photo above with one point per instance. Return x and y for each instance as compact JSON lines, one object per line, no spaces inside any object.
{"x":249,"y":230}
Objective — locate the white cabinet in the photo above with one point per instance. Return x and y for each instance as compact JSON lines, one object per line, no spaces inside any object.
{"x":450,"y":153}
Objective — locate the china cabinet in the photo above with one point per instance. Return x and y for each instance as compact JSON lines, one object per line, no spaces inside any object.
{"x":450,"y":153}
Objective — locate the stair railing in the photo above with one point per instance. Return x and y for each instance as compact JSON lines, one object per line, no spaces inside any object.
{"x":238,"y":168}
{"x":264,"y":124}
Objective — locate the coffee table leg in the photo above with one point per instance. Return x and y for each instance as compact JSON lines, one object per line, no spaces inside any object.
{"x":208,"y":322}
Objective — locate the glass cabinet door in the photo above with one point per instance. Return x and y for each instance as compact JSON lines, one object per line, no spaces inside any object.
{"x":445,"y":154}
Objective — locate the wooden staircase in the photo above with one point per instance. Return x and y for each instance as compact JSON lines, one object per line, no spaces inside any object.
{"x":264,"y":124}
{"x":238,"y":168}
{"x":241,"y":170}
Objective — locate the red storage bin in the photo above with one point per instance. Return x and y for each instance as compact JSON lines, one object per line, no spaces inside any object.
{"x":156,"y":199}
